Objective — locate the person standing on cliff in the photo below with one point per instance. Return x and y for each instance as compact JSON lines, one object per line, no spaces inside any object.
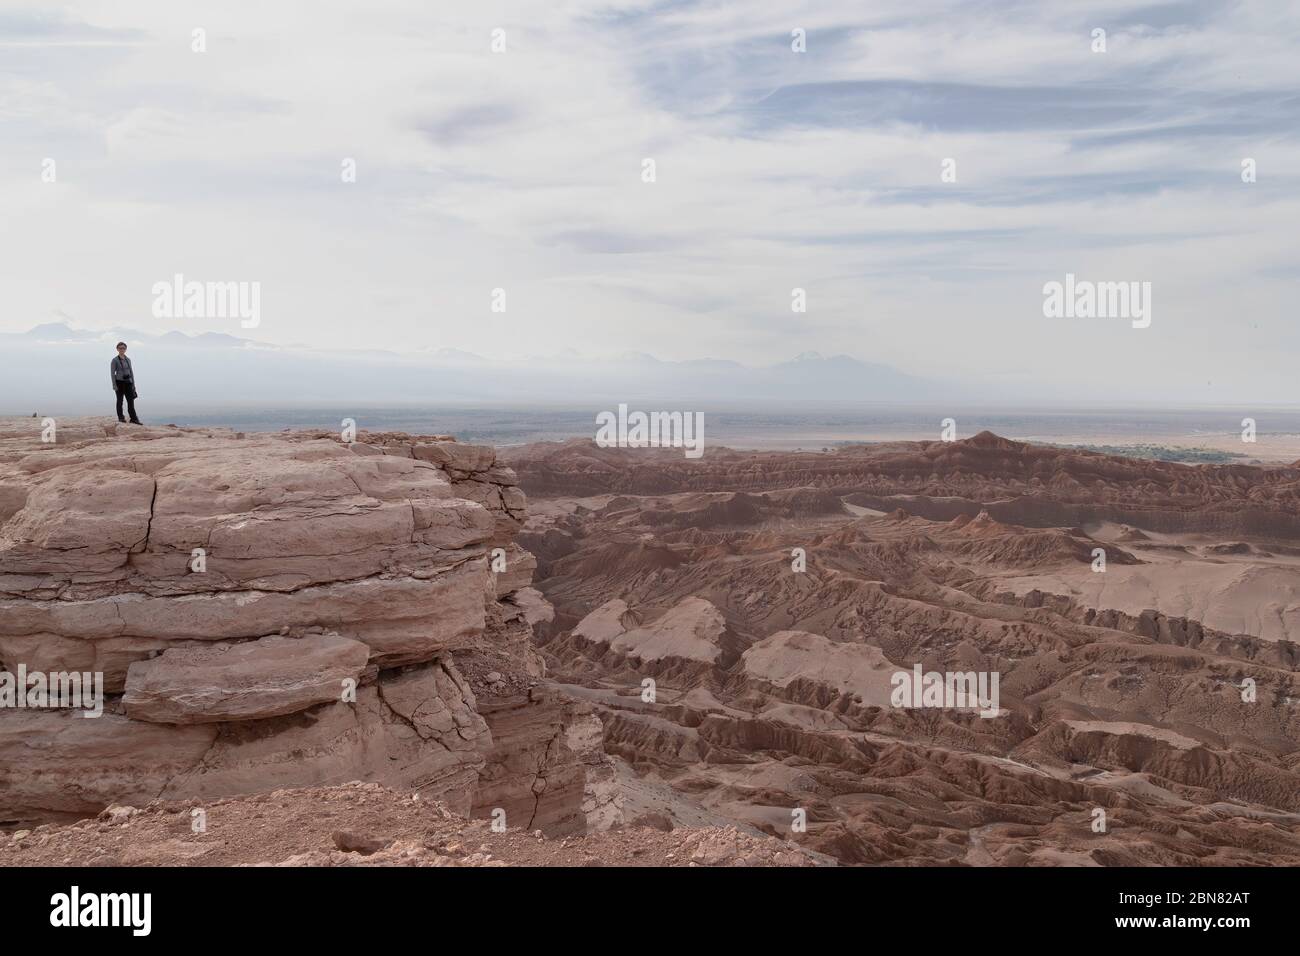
{"x":123,"y":377}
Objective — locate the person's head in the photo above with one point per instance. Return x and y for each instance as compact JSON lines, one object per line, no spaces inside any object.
{"x":121,"y":348}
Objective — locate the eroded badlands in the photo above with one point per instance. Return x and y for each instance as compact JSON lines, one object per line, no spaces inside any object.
{"x":1126,"y":733}
{"x":648,"y":644}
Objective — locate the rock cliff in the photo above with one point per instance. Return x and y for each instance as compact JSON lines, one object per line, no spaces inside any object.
{"x":272,"y":611}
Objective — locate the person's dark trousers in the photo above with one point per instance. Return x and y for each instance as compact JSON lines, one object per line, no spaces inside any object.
{"x":125,"y":391}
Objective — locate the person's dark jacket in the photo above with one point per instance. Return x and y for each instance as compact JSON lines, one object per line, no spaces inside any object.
{"x":121,"y":372}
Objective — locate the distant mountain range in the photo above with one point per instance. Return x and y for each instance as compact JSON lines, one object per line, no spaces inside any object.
{"x":58,"y":368}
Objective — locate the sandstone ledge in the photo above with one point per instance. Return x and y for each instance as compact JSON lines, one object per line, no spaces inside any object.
{"x":234,"y":588}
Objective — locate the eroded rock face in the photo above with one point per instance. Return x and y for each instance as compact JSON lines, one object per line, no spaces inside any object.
{"x":438,"y":705}
{"x":547,"y":769}
{"x":275,"y":610}
{"x":58,"y":765}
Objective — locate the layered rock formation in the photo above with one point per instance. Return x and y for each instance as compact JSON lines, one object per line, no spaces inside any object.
{"x":267,"y":611}
{"x":1015,"y":482}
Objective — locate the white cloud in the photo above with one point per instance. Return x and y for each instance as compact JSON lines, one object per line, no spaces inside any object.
{"x":775,"y":169}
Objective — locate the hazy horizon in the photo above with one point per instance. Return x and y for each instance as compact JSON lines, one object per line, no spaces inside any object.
{"x":1204,"y":435}
{"x":60,"y":368}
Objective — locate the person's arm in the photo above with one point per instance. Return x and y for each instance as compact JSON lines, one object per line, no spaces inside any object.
{"x":112,"y":376}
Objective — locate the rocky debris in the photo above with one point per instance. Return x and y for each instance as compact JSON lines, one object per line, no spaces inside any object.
{"x":349,"y":842}
{"x":730,"y":847}
{"x":116,"y":814}
{"x":359,"y":824}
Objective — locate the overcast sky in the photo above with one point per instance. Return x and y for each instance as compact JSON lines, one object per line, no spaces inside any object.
{"x":774,"y":169}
